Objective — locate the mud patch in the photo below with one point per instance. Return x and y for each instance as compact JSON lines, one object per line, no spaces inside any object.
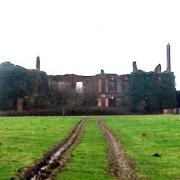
{"x":121,"y":165}
{"x":54,"y":160}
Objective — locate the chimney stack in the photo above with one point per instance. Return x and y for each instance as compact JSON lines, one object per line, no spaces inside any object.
{"x":134,"y":66}
{"x":38,"y":63}
{"x":102,"y":71}
{"x":168,"y":58}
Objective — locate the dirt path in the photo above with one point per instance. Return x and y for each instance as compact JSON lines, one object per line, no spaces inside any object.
{"x":121,"y":166}
{"x":54,"y":160}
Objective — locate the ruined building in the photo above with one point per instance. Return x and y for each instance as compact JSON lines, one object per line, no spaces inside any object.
{"x":111,"y":89}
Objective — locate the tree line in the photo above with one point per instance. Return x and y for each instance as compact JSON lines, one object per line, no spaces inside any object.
{"x":32,"y":86}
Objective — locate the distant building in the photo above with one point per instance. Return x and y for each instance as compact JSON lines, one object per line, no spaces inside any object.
{"x":111,"y":89}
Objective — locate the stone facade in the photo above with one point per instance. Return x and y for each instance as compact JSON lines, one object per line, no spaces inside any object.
{"x":111,"y":89}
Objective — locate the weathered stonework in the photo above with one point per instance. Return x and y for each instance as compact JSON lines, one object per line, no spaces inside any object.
{"x":110,"y":88}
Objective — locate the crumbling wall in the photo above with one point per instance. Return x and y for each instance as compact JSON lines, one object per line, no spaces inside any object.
{"x":110,"y":89}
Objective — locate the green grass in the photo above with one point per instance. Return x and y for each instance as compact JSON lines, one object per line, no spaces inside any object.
{"x":89,"y":159}
{"x":24,"y":139}
{"x":142,"y":136}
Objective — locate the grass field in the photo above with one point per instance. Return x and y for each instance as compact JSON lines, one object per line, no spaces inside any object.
{"x":142,"y":136}
{"x":89,"y":158}
{"x":25,"y":139}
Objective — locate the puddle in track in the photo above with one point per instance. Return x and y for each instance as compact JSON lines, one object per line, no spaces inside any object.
{"x":54,"y":160}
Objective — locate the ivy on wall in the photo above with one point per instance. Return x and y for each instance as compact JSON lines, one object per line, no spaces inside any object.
{"x":178,"y":99}
{"x":152,"y":91}
{"x":18,"y":82}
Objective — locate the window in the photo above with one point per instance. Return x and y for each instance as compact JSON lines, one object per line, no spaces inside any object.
{"x":61,"y":84}
{"x":124,"y":85}
{"x":112,"y":85}
{"x":79,"y":87}
{"x":112,"y":102}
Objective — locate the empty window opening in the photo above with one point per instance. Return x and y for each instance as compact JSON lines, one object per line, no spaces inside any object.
{"x":125,"y":85}
{"x":63,"y":85}
{"x":79,"y":87}
{"x":112,"y":102}
{"x":112,"y":85}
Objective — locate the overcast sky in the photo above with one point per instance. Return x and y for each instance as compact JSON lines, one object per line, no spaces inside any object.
{"x":85,"y":36}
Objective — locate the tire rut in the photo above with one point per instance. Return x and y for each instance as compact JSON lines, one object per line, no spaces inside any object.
{"x":54,"y":161}
{"x":120,"y":165}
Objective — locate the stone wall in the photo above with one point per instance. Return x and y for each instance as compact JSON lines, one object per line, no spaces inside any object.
{"x":111,"y":89}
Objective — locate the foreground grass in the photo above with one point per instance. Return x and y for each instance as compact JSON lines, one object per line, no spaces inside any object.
{"x":89,"y":159}
{"x":143,"y":136}
{"x":25,"y":139}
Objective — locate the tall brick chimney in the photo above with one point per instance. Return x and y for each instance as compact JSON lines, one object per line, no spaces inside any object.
{"x":168,"y":58}
{"x":38,"y":63}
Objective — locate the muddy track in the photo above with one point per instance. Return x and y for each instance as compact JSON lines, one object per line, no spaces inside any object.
{"x":121,"y":165}
{"x":54,"y":160}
